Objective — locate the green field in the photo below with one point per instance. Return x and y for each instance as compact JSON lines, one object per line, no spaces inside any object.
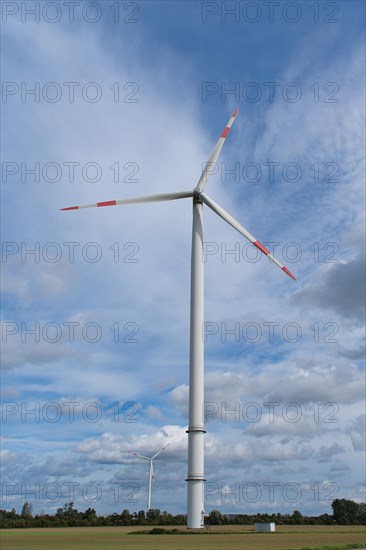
{"x":217,"y":538}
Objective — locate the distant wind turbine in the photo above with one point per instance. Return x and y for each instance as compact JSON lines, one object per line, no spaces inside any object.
{"x":196,"y":428}
{"x":151,"y":471}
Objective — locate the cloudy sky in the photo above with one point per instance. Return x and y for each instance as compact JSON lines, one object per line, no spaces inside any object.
{"x":105,"y":100}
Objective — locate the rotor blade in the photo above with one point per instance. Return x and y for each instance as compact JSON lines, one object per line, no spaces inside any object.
{"x":161,"y":450}
{"x":236,"y":225}
{"x":140,"y":456}
{"x":152,"y":473}
{"x":208,"y":169}
{"x":135,"y":200}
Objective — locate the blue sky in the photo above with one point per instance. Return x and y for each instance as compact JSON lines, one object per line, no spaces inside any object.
{"x":135,"y":106}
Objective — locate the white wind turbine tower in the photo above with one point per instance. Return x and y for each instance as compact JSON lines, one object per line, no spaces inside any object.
{"x":151,"y":471}
{"x":196,"y":428}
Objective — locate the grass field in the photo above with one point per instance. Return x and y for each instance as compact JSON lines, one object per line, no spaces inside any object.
{"x":228,"y":537}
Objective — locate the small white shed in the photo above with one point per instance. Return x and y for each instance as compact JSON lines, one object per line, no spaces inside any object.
{"x":265,"y":527}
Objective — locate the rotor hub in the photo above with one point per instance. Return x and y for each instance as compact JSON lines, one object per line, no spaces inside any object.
{"x":196,"y":194}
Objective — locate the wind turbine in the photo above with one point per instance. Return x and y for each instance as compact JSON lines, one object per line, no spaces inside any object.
{"x":151,"y":471}
{"x":196,"y":428}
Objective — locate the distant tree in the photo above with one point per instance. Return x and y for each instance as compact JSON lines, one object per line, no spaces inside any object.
{"x":153,"y":515}
{"x":362,"y":513}
{"x":141,"y":517}
{"x":348,"y":512}
{"x":27,"y":509}
{"x":126,"y":517}
{"x":90,"y":515}
{"x":70,"y":510}
{"x":325,"y":519}
{"x":180,"y":519}
{"x":240,"y":519}
{"x":215,"y":517}
{"x":297,"y":517}
{"x":166,"y":518}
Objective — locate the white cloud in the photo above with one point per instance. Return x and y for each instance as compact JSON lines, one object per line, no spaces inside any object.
{"x":357,"y":433}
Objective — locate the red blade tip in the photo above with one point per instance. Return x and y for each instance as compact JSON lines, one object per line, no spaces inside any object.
{"x":235,"y":112}
{"x":106,"y":203}
{"x":288,"y":273}
{"x":70,"y":208}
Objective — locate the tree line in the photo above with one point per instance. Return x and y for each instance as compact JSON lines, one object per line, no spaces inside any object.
{"x":345,"y":512}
